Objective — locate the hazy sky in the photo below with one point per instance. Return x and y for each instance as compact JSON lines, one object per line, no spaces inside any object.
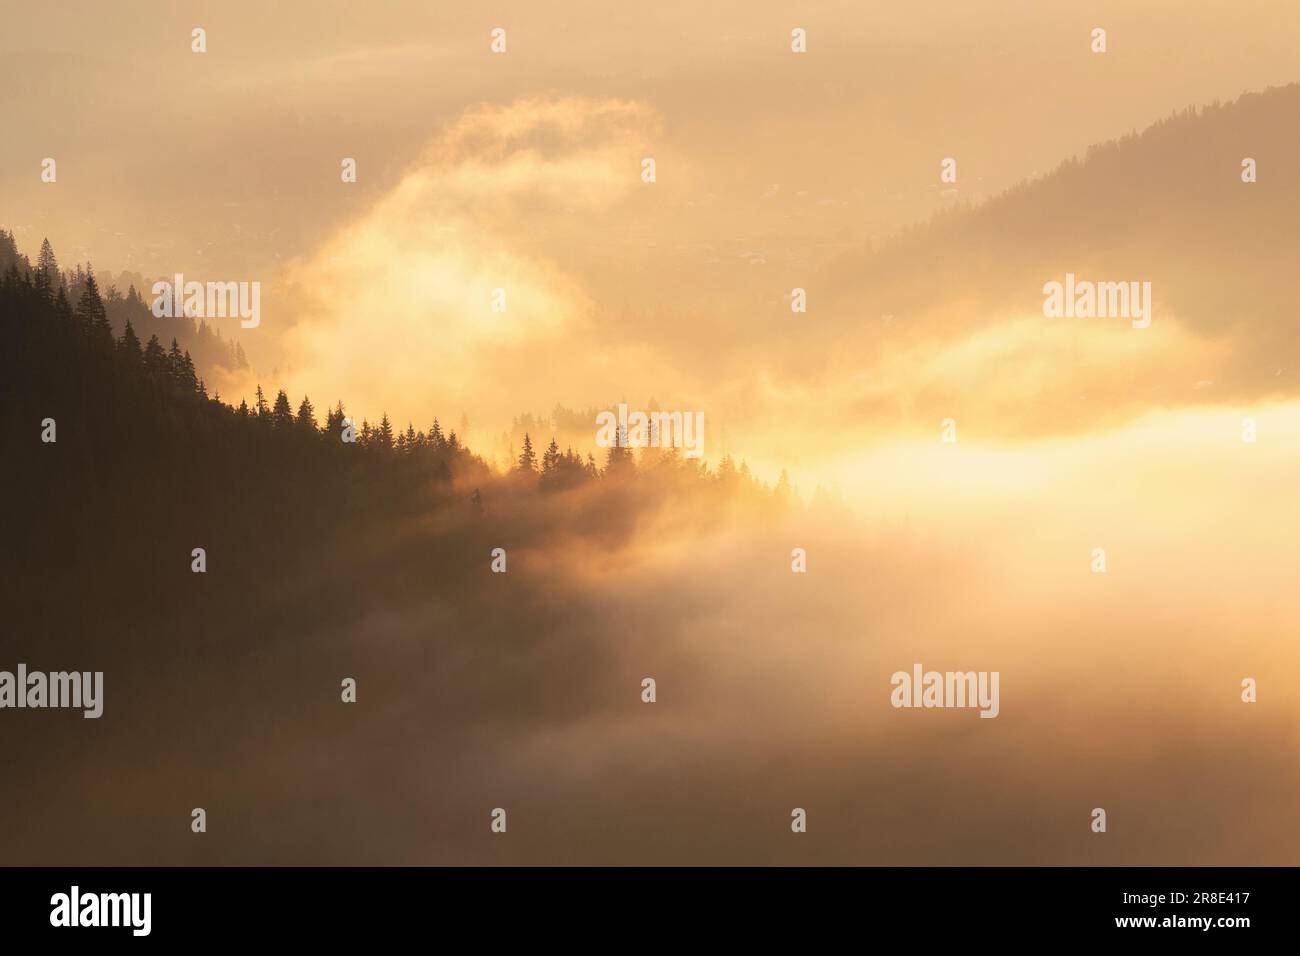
{"x":227,"y":160}
{"x":521,"y":171}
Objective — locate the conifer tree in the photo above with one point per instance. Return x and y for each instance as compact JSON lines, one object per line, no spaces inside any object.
{"x":48,"y":266}
{"x":176,"y":362}
{"x":91,"y":314}
{"x":527,"y":457}
{"x":61,"y":307}
{"x":551,"y":458}
{"x":129,"y":346}
{"x":783,"y":489}
{"x":334,"y":420}
{"x":282,"y":412}
{"x":307,"y":414}
{"x":43,"y":287}
{"x":727,"y":470}
{"x":189,"y":375}
{"x":619,"y":455}
{"x":9,"y":255}
{"x":155,"y":359}
{"x":384,"y":433}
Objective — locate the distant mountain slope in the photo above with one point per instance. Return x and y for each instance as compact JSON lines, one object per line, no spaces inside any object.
{"x":1166,"y":205}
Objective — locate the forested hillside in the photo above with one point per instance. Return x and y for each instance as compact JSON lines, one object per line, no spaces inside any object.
{"x":125,"y":301}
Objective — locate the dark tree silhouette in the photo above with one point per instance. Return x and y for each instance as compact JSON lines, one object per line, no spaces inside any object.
{"x":306,"y":414}
{"x":527,"y":457}
{"x":282,"y":412}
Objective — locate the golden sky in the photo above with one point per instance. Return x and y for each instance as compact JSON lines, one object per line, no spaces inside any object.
{"x":521,"y":171}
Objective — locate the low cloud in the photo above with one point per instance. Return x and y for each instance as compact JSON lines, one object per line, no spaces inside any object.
{"x":397,"y":307}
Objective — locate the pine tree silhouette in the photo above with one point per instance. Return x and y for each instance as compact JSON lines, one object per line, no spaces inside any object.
{"x":282,"y":412}
{"x":48,"y":265}
{"x":306,"y":414}
{"x":155,"y":360}
{"x":129,"y":346}
{"x":189,"y":378}
{"x":176,"y":362}
{"x":334,"y":419}
{"x":527,"y":458}
{"x":91,"y":313}
{"x":384,"y":433}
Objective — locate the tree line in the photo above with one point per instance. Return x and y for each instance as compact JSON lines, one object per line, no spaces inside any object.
{"x":148,"y":399}
{"x":209,"y":347}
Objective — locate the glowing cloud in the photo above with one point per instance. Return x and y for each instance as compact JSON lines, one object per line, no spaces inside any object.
{"x":447,"y":285}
